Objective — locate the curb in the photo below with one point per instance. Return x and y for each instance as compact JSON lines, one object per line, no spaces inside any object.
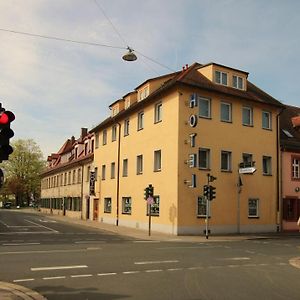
{"x":13,"y":291}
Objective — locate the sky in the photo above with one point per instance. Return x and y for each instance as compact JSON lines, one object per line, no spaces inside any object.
{"x":56,"y":87}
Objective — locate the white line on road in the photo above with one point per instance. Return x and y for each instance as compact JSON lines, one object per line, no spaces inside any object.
{"x":89,"y":242}
{"x":23,"y":280}
{"x":49,"y":251}
{"x":81,"y":275}
{"x":146,"y":241}
{"x":236,"y":258}
{"x":106,"y":274}
{"x":153,"y":271}
{"x":59,"y":268}
{"x":42,"y":226}
{"x":131,"y":272}
{"x":156,"y":262}
{"x":20,"y":244}
{"x":55,"y":277}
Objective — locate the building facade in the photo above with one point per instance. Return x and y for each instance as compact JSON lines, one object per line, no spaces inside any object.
{"x":290,"y":162}
{"x":65,"y":184}
{"x":175,"y":130}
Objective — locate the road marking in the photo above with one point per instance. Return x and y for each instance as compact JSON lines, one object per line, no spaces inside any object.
{"x":236,"y":258}
{"x":156,"y":262}
{"x":20,"y":244}
{"x":39,"y":225}
{"x":131,"y":272}
{"x":106,"y":274}
{"x":153,"y":271}
{"x":48,"y":251}
{"x":188,"y":247}
{"x":190,"y":268}
{"x":29,"y":232}
{"x":146,"y":241}
{"x":59,"y":268}
{"x":55,"y":277}
{"x":23,"y":280}
{"x":89,"y":242}
{"x":81,"y":275}
{"x":175,"y":269}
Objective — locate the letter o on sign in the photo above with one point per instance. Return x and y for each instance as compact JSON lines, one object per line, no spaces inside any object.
{"x":193,"y":120}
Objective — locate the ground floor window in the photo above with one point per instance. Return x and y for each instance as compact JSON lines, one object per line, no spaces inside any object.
{"x":154,"y":207}
{"x":126,"y":205}
{"x":253,"y":205}
{"x":107,"y":205}
{"x":291,"y":209}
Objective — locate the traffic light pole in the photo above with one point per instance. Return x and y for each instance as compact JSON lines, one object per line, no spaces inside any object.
{"x":207,"y":209}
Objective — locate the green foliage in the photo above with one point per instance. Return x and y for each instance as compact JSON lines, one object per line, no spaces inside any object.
{"x":22,"y":170}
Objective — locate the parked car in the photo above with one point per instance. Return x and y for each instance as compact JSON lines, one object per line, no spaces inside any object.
{"x":7,"y":205}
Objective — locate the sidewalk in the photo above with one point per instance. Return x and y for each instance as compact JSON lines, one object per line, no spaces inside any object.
{"x":10,"y":291}
{"x":158,"y":236}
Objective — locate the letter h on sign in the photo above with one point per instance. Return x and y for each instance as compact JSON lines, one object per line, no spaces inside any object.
{"x":193,"y":101}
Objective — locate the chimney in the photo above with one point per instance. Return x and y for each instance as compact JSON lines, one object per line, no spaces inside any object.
{"x":84,"y":132}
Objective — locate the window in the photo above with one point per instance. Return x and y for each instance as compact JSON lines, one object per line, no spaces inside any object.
{"x":140,"y":124}
{"x":126,"y":127}
{"x":97,"y":140}
{"x":104,"y":141}
{"x":139,"y":164}
{"x":238,"y":82}
{"x":154,"y":207}
{"x":95,"y":174}
{"x":107,"y":205}
{"x":143,"y":93}
{"x":225,"y":161}
{"x":65,"y":181}
{"x":204,"y":158}
{"x":221,"y":77}
{"x":103,"y":172}
{"x":126,"y":205}
{"x":266,"y":120}
{"x":253,"y":208}
{"x":114,"y":133}
{"x":267,"y":165}
{"x":125,"y":167}
{"x":112,"y":170}
{"x":158,"y":112}
{"x":79,"y":176}
{"x":204,"y":107}
{"x":225,"y":112}
{"x":201,"y":207}
{"x":247,"y":160}
{"x":247,"y":116}
{"x":74,"y":177}
{"x":69,"y":177}
{"x":157,"y":160}
{"x":295,"y":167}
{"x":291,"y":209}
{"x":88,"y":174}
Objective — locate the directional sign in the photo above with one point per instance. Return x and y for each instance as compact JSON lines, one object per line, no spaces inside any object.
{"x":250,"y":170}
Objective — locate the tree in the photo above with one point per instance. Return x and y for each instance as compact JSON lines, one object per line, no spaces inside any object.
{"x":22,"y":171}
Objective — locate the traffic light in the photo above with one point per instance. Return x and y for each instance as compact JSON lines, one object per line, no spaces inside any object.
{"x":151,"y":190}
{"x":212,"y":193}
{"x":6,"y":117}
{"x":146,"y":193}
{"x":206,"y":190}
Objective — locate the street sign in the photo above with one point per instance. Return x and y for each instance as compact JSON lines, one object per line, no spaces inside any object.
{"x":249,"y":170}
{"x":150,"y":200}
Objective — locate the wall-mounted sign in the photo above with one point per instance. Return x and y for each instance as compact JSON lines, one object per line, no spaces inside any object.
{"x":193,"y":120}
{"x":250,"y":170}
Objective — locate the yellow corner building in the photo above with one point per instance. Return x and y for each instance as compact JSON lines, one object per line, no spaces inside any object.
{"x":173,"y":132}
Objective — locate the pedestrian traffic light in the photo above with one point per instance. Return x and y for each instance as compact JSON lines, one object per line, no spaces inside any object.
{"x":205,"y":190}
{"x":151,"y":190}
{"x":212,"y":193}
{"x":146,"y":193}
{"x":6,"y":117}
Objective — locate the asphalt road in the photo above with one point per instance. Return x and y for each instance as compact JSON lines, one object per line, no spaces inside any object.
{"x":63,"y":261}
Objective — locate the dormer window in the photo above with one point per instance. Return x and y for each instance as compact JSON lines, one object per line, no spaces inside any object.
{"x":238,"y":82}
{"x":143,"y":93}
{"x":221,"y":77}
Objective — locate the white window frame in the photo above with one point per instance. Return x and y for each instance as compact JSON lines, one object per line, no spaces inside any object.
{"x":157,"y":160}
{"x":126,"y":127}
{"x":239,"y":84}
{"x":114,"y":133}
{"x":204,"y":114}
{"x":223,"y":77}
{"x":207,"y":158}
{"x":250,"y":112}
{"x":296,"y":167}
{"x":229,"y":106}
{"x":125,"y":167}
{"x":126,"y":205}
{"x":228,"y":161}
{"x":253,"y":208}
{"x":140,"y":124}
{"x":267,"y":165}
{"x":269,"y":120}
{"x":139,"y":164}
{"x":158,"y":112}
{"x":104,"y":137}
{"x":107,"y":205}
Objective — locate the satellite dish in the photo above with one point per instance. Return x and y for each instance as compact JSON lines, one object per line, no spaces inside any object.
{"x":129,"y":56}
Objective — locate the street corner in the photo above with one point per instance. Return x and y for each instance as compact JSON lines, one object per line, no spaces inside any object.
{"x":295,"y":262}
{"x":14,"y":291}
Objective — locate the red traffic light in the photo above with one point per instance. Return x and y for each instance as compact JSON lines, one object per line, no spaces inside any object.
{"x":6,"y":117}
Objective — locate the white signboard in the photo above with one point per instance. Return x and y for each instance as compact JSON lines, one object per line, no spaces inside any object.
{"x":250,"y":170}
